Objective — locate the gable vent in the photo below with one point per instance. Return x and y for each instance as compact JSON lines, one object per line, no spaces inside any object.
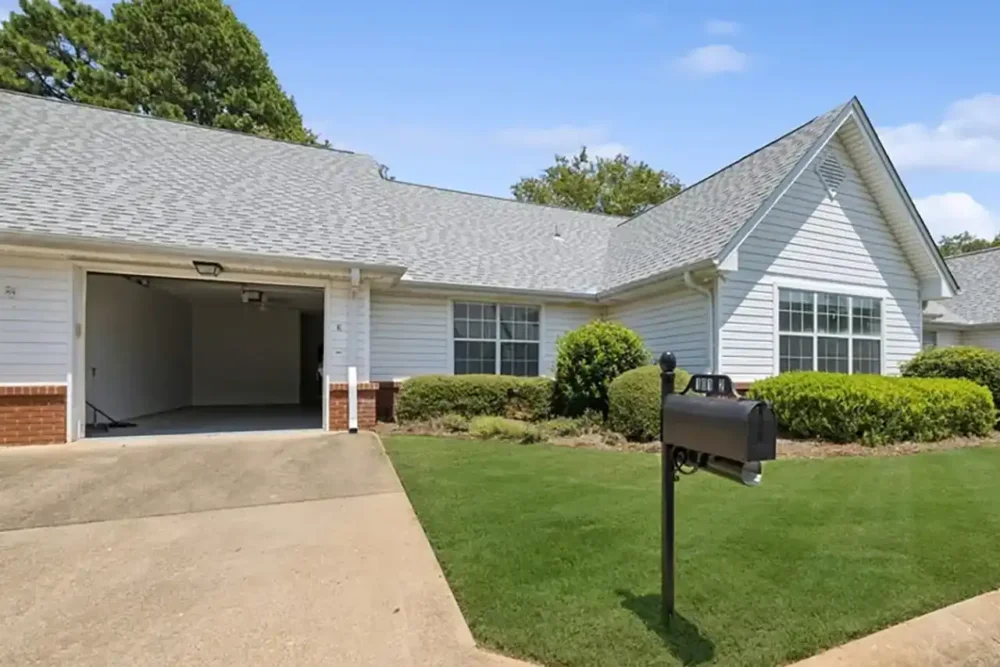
{"x":832,"y":173}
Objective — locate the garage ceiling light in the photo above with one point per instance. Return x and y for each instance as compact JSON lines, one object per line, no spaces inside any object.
{"x":207,"y":268}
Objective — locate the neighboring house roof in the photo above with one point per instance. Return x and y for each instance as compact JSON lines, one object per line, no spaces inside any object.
{"x":83,"y":174}
{"x":979,"y":274}
{"x":698,"y":223}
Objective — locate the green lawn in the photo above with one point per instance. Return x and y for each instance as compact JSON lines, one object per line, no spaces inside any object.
{"x":553,"y":553}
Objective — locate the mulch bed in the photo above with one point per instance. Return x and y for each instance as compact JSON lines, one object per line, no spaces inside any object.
{"x":787,"y":449}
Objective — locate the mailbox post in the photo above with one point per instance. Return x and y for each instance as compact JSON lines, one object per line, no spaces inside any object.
{"x":728,"y":438}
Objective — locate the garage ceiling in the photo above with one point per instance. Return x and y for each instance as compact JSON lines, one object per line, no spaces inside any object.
{"x":214,"y":291}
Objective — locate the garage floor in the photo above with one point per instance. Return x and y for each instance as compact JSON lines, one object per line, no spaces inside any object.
{"x":220,"y":419}
{"x":260,"y":550}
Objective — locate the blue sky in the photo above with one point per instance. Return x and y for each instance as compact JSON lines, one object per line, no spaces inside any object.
{"x":473,"y":96}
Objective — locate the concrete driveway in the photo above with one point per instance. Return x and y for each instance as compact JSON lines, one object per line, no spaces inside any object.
{"x":277,"y":550}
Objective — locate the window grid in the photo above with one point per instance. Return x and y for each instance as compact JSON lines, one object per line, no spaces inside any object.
{"x":496,"y":339}
{"x":844,"y":333}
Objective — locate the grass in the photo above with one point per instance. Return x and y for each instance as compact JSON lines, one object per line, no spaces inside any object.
{"x":553,"y":553}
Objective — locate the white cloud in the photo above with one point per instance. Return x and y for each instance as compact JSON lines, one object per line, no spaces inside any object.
{"x":717,"y":27}
{"x":559,"y":137}
{"x":608,"y":150}
{"x":712,"y":59}
{"x":968,"y":139}
{"x":956,"y":212}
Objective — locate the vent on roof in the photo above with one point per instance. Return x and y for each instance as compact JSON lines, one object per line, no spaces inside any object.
{"x":832,"y":173}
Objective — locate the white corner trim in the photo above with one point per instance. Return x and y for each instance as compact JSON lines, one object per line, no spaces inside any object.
{"x":737,"y":240}
{"x":352,"y":399}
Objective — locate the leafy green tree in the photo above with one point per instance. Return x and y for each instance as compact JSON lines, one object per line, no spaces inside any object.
{"x":187,"y":60}
{"x":53,"y":51}
{"x":617,"y":186}
{"x":956,"y":244}
{"x":194,"y":60}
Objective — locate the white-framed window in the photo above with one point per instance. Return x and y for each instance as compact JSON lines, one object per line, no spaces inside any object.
{"x":502,"y":339}
{"x":836,"y":333}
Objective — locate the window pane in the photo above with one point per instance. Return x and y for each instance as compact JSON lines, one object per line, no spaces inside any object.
{"x":461,"y":329}
{"x":831,"y":353}
{"x":798,"y":306}
{"x":867,"y":356}
{"x":867,"y":316}
{"x":795,"y":353}
{"x":514,"y":323}
{"x":519,"y":359}
{"x":461,"y":311}
{"x":475,"y":311}
{"x":831,"y":313}
{"x":475,"y":357}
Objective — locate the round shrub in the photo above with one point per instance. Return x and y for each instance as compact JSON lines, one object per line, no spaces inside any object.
{"x":431,"y":396}
{"x":634,"y":402}
{"x":973,"y":363}
{"x":876,"y":410}
{"x":589,"y":358}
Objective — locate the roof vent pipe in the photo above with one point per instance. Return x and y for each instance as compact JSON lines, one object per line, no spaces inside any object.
{"x":710,"y":295}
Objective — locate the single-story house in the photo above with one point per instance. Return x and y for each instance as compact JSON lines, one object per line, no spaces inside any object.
{"x":192,"y":279}
{"x":972,"y":317}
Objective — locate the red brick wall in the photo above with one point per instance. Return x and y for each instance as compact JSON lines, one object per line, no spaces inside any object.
{"x":367,"y":392}
{"x":33,"y":415}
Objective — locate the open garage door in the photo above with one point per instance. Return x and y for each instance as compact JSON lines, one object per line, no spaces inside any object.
{"x":167,"y":356}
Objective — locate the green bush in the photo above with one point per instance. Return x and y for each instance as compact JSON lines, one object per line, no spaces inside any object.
{"x":564,"y":427}
{"x":431,"y":396}
{"x":634,"y":409}
{"x":588,"y":359}
{"x":501,"y":428}
{"x":876,"y":410}
{"x":973,"y":363}
{"x":453,"y":423}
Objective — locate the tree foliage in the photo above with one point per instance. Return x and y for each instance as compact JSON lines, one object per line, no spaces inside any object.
{"x":956,"y":244}
{"x":187,"y":60}
{"x":616,"y":186}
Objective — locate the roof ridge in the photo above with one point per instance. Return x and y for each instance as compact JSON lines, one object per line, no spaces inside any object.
{"x":182,"y":123}
{"x":503,"y":199}
{"x":732,"y":164}
{"x":971,"y":252}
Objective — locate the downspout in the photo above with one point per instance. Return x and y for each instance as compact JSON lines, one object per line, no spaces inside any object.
{"x":710,"y":295}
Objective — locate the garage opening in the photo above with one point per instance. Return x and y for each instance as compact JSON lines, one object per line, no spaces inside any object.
{"x":169,"y":356}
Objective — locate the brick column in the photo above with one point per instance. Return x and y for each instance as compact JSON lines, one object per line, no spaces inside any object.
{"x":367,"y":392}
{"x":33,"y":415}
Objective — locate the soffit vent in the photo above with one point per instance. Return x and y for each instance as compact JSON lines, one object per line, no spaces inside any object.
{"x":832,"y":173}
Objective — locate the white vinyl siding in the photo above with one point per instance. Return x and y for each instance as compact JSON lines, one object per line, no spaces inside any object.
{"x":557,"y":320}
{"x":948,"y":338}
{"x":336,"y":326}
{"x":808,"y":241}
{"x":35,"y":329}
{"x":676,"y":321}
{"x":411,"y":333}
{"x":987,"y":338}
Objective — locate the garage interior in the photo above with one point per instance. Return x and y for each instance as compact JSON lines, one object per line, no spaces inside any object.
{"x":168,"y":356}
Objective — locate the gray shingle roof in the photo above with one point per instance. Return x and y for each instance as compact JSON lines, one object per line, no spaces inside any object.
{"x":79,"y":172}
{"x":697,"y":224}
{"x":979,"y":275}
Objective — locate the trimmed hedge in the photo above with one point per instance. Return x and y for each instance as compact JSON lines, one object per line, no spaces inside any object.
{"x":588,"y":359}
{"x":431,"y":396}
{"x":634,"y":402}
{"x":876,"y":410}
{"x":973,"y":363}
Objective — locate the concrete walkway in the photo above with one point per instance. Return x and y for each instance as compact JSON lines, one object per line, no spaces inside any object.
{"x":966,"y":634}
{"x":290,"y":550}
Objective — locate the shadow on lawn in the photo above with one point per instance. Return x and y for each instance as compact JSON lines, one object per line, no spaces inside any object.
{"x":683,"y":638}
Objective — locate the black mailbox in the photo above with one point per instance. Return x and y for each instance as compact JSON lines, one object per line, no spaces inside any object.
{"x":719,"y":433}
{"x":736,"y":429}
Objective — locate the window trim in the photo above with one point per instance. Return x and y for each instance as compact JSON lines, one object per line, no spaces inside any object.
{"x":543,"y":369}
{"x":840,"y":289}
